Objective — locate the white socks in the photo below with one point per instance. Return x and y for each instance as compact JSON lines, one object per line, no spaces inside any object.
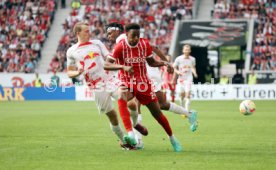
{"x":178,"y":109}
{"x":118,"y":131}
{"x":182,"y":100}
{"x":187,"y":104}
{"x":138,"y":135}
{"x":139,"y":118}
{"x":134,"y":117}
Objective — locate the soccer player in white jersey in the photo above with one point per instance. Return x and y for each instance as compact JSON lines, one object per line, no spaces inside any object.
{"x":87,"y":57}
{"x":184,"y":66}
{"x":114,"y":32}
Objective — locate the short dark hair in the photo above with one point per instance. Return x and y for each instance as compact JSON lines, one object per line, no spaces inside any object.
{"x":116,"y":25}
{"x":133,"y":26}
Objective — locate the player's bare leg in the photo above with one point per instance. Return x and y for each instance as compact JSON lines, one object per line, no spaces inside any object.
{"x":115,"y":127}
{"x":155,"y":110}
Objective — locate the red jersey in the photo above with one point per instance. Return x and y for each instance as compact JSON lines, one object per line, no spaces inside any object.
{"x":134,"y":56}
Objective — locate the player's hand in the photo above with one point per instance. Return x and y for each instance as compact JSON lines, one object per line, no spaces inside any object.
{"x":178,"y":73}
{"x":196,"y":76}
{"x":128,"y":69}
{"x":80,"y":70}
{"x":170,"y":69}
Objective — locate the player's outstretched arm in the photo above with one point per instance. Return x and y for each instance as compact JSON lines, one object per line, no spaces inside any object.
{"x":194,"y":72}
{"x":110,"y":65}
{"x":160,"y":54}
{"x":154,"y":63}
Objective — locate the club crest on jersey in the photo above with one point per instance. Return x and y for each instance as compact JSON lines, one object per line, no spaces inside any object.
{"x":135,"y":60}
{"x":91,"y":56}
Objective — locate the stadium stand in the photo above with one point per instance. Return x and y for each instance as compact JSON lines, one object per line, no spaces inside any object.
{"x":156,"y":18}
{"x":263,"y":56}
{"x":24,"y":28}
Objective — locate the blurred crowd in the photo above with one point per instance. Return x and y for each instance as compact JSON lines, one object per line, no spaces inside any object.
{"x":264,"y":14}
{"x":155,"y":17}
{"x":24,"y":26}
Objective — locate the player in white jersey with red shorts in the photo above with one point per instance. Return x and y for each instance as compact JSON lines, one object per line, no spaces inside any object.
{"x":87,"y":57}
{"x":185,"y":69}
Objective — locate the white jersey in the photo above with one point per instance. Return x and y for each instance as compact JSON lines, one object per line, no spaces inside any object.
{"x":185,"y":66}
{"x":90,"y":57}
{"x":120,"y":37}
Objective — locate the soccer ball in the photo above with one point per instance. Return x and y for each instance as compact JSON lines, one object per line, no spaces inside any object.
{"x":247,"y":107}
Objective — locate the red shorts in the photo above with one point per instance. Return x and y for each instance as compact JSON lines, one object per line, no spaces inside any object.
{"x":169,"y":86}
{"x":143,"y":92}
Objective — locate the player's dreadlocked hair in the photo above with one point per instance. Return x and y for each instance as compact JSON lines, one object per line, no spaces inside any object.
{"x":132,"y":26}
{"x":114,"y":25}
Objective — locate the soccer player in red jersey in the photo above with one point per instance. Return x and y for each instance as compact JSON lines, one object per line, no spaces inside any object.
{"x":130,"y":56}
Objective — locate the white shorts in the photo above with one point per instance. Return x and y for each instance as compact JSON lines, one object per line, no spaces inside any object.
{"x":104,"y":100}
{"x":104,"y":94}
{"x":185,"y":86}
{"x":157,"y":83}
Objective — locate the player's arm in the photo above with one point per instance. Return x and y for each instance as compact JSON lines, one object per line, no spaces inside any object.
{"x":158,"y":52}
{"x":112,"y":66}
{"x":72,"y":68}
{"x":194,"y":69}
{"x":154,"y":63}
{"x":175,"y":75}
{"x":176,"y":67}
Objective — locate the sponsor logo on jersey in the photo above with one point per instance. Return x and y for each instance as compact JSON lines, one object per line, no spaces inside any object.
{"x":135,"y":60}
{"x":91,"y":56}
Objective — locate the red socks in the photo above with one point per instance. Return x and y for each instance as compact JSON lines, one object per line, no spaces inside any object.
{"x":173,"y":99}
{"x":162,"y":120}
{"x":125,"y":115}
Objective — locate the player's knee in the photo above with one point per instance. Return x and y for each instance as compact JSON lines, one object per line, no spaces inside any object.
{"x":131,"y":105}
{"x":162,"y":106}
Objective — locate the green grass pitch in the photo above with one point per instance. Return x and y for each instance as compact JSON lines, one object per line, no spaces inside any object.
{"x":52,"y":135}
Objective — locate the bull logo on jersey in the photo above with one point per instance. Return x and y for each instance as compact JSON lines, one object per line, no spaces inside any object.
{"x":135,"y":60}
{"x":91,"y":56}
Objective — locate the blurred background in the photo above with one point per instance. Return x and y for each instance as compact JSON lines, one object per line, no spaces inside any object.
{"x":233,"y":41}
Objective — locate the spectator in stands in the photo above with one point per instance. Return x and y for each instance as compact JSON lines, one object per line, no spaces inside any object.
{"x":29,"y":66}
{"x":273,"y":62}
{"x":75,"y":4}
{"x":156,"y":18}
{"x":22,"y":24}
{"x":55,"y":80}
{"x":252,"y":78}
{"x":223,"y":80}
{"x":38,"y":82}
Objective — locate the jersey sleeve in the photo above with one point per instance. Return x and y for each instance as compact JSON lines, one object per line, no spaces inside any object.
{"x":148,"y":49}
{"x":117,"y":52}
{"x":71,"y":61}
{"x":103,"y":49}
{"x":176,"y":63}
